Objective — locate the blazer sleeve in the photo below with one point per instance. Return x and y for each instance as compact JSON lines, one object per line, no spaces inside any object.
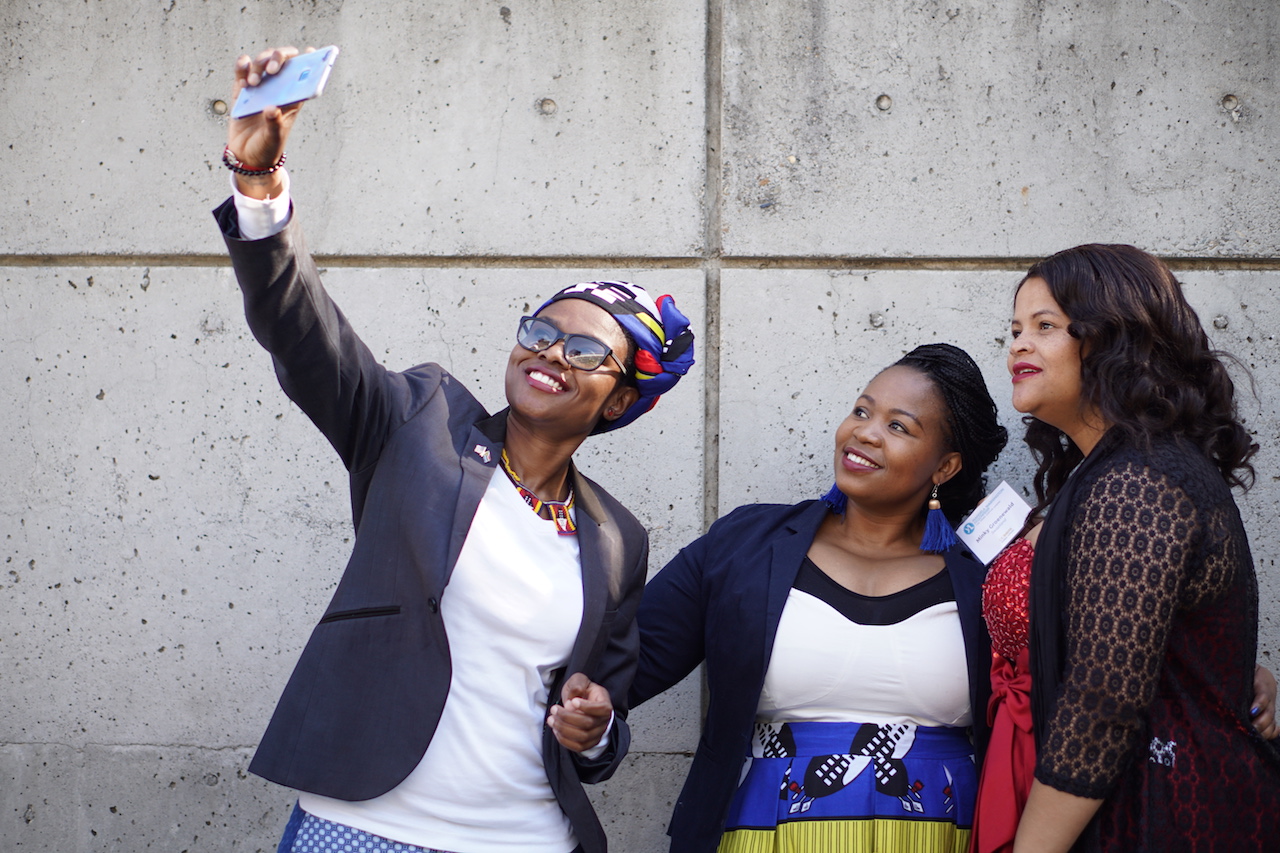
{"x":672,"y":621}
{"x":321,"y":363}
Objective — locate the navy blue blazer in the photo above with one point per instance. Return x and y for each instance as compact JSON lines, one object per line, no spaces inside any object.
{"x":720,"y":600}
{"x":366,"y":696}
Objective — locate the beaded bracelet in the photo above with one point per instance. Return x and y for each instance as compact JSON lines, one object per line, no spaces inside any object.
{"x":233,"y":163}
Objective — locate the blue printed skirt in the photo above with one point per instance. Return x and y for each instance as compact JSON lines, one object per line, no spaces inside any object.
{"x":306,"y":833}
{"x":854,"y":788}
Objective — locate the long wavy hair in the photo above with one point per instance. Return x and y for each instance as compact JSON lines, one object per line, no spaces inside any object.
{"x":1146,"y":364}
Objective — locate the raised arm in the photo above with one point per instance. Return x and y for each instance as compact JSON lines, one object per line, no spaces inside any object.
{"x":320,"y":361}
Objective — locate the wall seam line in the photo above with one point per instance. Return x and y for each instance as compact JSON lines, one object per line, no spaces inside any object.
{"x":712,"y":263}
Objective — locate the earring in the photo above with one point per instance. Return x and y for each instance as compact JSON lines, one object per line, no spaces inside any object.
{"x":836,"y":499}
{"x":938,"y":535}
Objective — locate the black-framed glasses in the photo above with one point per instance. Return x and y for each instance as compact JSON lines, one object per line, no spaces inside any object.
{"x":581,"y":351}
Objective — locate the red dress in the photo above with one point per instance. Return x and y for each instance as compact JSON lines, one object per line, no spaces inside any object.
{"x":1009,"y":766}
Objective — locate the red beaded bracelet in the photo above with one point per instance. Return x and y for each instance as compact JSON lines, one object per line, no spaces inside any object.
{"x":233,"y":163}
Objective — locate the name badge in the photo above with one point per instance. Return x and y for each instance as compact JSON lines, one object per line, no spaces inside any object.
{"x":994,"y":523}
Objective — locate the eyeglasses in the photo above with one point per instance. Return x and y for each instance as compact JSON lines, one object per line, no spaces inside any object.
{"x":581,"y":351}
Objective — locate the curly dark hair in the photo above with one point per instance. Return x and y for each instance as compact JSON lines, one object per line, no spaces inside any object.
{"x":1146,"y":364}
{"x":973,"y":424}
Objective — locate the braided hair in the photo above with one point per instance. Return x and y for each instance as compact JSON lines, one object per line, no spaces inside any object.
{"x":973,"y":425}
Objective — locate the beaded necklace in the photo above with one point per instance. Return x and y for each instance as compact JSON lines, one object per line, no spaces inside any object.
{"x":559,"y":510}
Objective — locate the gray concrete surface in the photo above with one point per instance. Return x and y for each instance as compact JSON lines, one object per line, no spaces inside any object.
{"x":960,"y":129}
{"x":550,"y":129}
{"x":126,"y":798}
{"x":171,"y":526}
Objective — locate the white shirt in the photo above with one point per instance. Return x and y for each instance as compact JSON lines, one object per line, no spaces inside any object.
{"x":827,"y":668}
{"x":512,"y":610}
{"x":260,"y":218}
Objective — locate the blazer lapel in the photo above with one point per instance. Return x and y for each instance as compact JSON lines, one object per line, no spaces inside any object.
{"x":480,"y":455}
{"x":785,"y":557}
{"x":967,"y":575}
{"x":600,"y":550}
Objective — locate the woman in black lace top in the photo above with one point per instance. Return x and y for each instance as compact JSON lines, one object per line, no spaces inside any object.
{"x":1144,"y":602}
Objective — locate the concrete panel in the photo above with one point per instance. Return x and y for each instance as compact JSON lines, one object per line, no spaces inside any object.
{"x":173,"y":526}
{"x":780,"y":402}
{"x":525,"y":129}
{"x":635,"y":805}
{"x":1005,"y":128}
{"x":670,"y":722}
{"x":192,"y":800}
{"x":113,"y":799}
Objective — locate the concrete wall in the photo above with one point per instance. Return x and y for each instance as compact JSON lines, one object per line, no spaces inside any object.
{"x":821,"y":185}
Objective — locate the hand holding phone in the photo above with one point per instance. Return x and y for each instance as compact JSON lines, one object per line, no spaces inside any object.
{"x":299,"y":79}
{"x":257,"y":139}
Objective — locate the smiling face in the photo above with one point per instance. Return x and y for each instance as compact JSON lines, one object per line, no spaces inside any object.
{"x":549,"y":395}
{"x":893,"y":447}
{"x":1044,"y":360}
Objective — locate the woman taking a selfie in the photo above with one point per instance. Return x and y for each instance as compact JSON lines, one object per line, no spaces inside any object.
{"x":470,"y":672}
{"x":844,"y":647}
{"x":1143,"y":601}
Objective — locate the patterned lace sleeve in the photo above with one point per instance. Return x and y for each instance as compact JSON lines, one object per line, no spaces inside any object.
{"x":1130,"y":545}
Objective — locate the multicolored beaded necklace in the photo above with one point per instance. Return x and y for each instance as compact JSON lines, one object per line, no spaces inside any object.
{"x":559,"y":510}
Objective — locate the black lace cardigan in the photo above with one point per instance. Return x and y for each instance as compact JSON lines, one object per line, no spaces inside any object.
{"x":1144,"y":615}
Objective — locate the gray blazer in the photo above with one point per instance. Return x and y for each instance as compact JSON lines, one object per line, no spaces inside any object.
{"x":365,"y":697}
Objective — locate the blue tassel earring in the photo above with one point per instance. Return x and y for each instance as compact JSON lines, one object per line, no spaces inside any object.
{"x":938,"y":535}
{"x":836,"y":499}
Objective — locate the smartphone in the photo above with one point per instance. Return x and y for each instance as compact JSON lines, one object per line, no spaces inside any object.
{"x":301,"y":79}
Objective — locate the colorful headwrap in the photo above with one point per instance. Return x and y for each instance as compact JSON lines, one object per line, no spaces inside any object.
{"x":664,"y":344}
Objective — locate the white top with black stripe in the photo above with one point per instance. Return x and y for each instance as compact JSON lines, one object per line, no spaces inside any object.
{"x":843,"y":657}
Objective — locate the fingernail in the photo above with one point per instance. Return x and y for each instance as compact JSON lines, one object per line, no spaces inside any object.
{"x":1255,"y":711}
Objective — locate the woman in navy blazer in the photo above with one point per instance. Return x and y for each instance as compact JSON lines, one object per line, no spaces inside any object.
{"x":371,"y":700}
{"x":926,"y":421}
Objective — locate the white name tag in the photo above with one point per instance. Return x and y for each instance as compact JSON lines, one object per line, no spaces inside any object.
{"x":994,"y":523}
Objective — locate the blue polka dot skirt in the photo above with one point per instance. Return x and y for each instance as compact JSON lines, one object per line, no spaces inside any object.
{"x":306,"y":833}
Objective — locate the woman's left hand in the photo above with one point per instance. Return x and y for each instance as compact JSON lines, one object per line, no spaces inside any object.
{"x":583,"y":716}
{"x":1263,"y":709}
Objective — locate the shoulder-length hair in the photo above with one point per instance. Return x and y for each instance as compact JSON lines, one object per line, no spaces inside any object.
{"x":1146,"y":363}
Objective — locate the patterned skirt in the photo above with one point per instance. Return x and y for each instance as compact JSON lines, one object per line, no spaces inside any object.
{"x":306,"y":833}
{"x":854,"y":788}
